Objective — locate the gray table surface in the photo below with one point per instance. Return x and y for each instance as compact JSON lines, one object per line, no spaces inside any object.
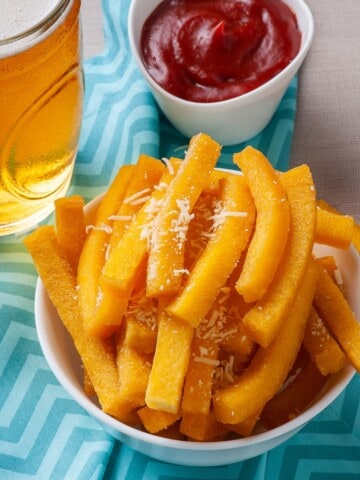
{"x":327,"y":129}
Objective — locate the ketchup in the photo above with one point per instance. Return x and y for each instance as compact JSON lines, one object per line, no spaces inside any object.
{"x":212,"y":50}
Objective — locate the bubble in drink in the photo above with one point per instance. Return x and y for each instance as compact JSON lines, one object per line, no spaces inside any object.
{"x":41,"y":92}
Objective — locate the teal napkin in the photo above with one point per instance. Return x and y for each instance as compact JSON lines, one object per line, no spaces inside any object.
{"x":44,"y":434}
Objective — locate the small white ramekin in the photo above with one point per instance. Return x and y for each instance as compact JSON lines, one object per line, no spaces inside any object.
{"x":229,"y":121}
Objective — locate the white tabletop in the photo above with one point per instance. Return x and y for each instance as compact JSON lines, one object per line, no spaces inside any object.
{"x":327,"y":132}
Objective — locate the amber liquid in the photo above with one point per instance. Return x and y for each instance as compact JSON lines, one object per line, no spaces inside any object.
{"x":41,"y":93}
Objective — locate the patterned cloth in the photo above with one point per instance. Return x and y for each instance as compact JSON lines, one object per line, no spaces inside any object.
{"x":43,"y":433}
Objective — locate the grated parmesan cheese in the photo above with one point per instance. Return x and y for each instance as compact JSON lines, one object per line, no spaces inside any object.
{"x":143,"y":309}
{"x":168,"y":165}
{"x":219,"y":215}
{"x":229,"y":214}
{"x":224,"y":298}
{"x":180,"y":224}
{"x":181,"y":271}
{"x":318,"y":328}
{"x":204,"y":351}
{"x":224,"y":373}
{"x":213,"y":328}
{"x":161,"y":186}
{"x":141,"y":200}
{"x":207,"y":235}
{"x":99,"y":297}
{"x":102,"y":227}
{"x":121,"y":218}
{"x":199,"y":234}
{"x":107,"y":251}
{"x":135,"y":196}
{"x":151,"y":209}
{"x":207,"y":361}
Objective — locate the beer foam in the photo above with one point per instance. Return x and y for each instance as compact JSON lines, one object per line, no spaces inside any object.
{"x":18,"y":17}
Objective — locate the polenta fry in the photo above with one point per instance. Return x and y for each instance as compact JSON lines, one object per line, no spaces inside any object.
{"x":356,"y":231}
{"x":234,"y":222}
{"x":321,"y":346}
{"x":337,"y":315}
{"x":133,"y":371}
{"x":70,"y":226}
{"x":334,"y":229}
{"x":170,"y":364}
{"x":147,"y":174}
{"x":93,"y":254}
{"x":154,"y":420}
{"x":272,"y":224}
{"x":60,"y":283}
{"x":198,"y":382}
{"x":202,"y":427}
{"x":166,"y":254}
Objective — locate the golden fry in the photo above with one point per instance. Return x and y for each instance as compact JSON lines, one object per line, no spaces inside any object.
{"x":60,"y":283}
{"x":356,"y":230}
{"x":198,"y":381}
{"x":133,"y":371}
{"x":338,"y":317}
{"x":170,"y":364}
{"x":93,"y":254}
{"x":70,"y":226}
{"x":272,"y":224}
{"x":166,"y":254}
{"x":202,"y":427}
{"x":334,"y":229}
{"x":321,"y":346}
{"x":245,"y":428}
{"x":154,"y":420}
{"x":233,"y":227}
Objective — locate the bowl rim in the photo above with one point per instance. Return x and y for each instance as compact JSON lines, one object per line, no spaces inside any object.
{"x":245,"y":98}
{"x":42,"y":302}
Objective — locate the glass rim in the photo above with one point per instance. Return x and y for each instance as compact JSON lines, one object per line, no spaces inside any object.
{"x":40,"y":27}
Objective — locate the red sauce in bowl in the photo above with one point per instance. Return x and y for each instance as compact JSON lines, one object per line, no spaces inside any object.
{"x":212,"y":50}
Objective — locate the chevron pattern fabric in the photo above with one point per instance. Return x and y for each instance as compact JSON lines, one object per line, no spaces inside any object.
{"x":46,"y":435}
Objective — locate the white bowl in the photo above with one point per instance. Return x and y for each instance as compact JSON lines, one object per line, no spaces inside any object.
{"x":229,"y":121}
{"x":65,"y":363}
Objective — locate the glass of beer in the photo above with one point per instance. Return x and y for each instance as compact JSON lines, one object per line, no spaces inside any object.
{"x":41,"y":96}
